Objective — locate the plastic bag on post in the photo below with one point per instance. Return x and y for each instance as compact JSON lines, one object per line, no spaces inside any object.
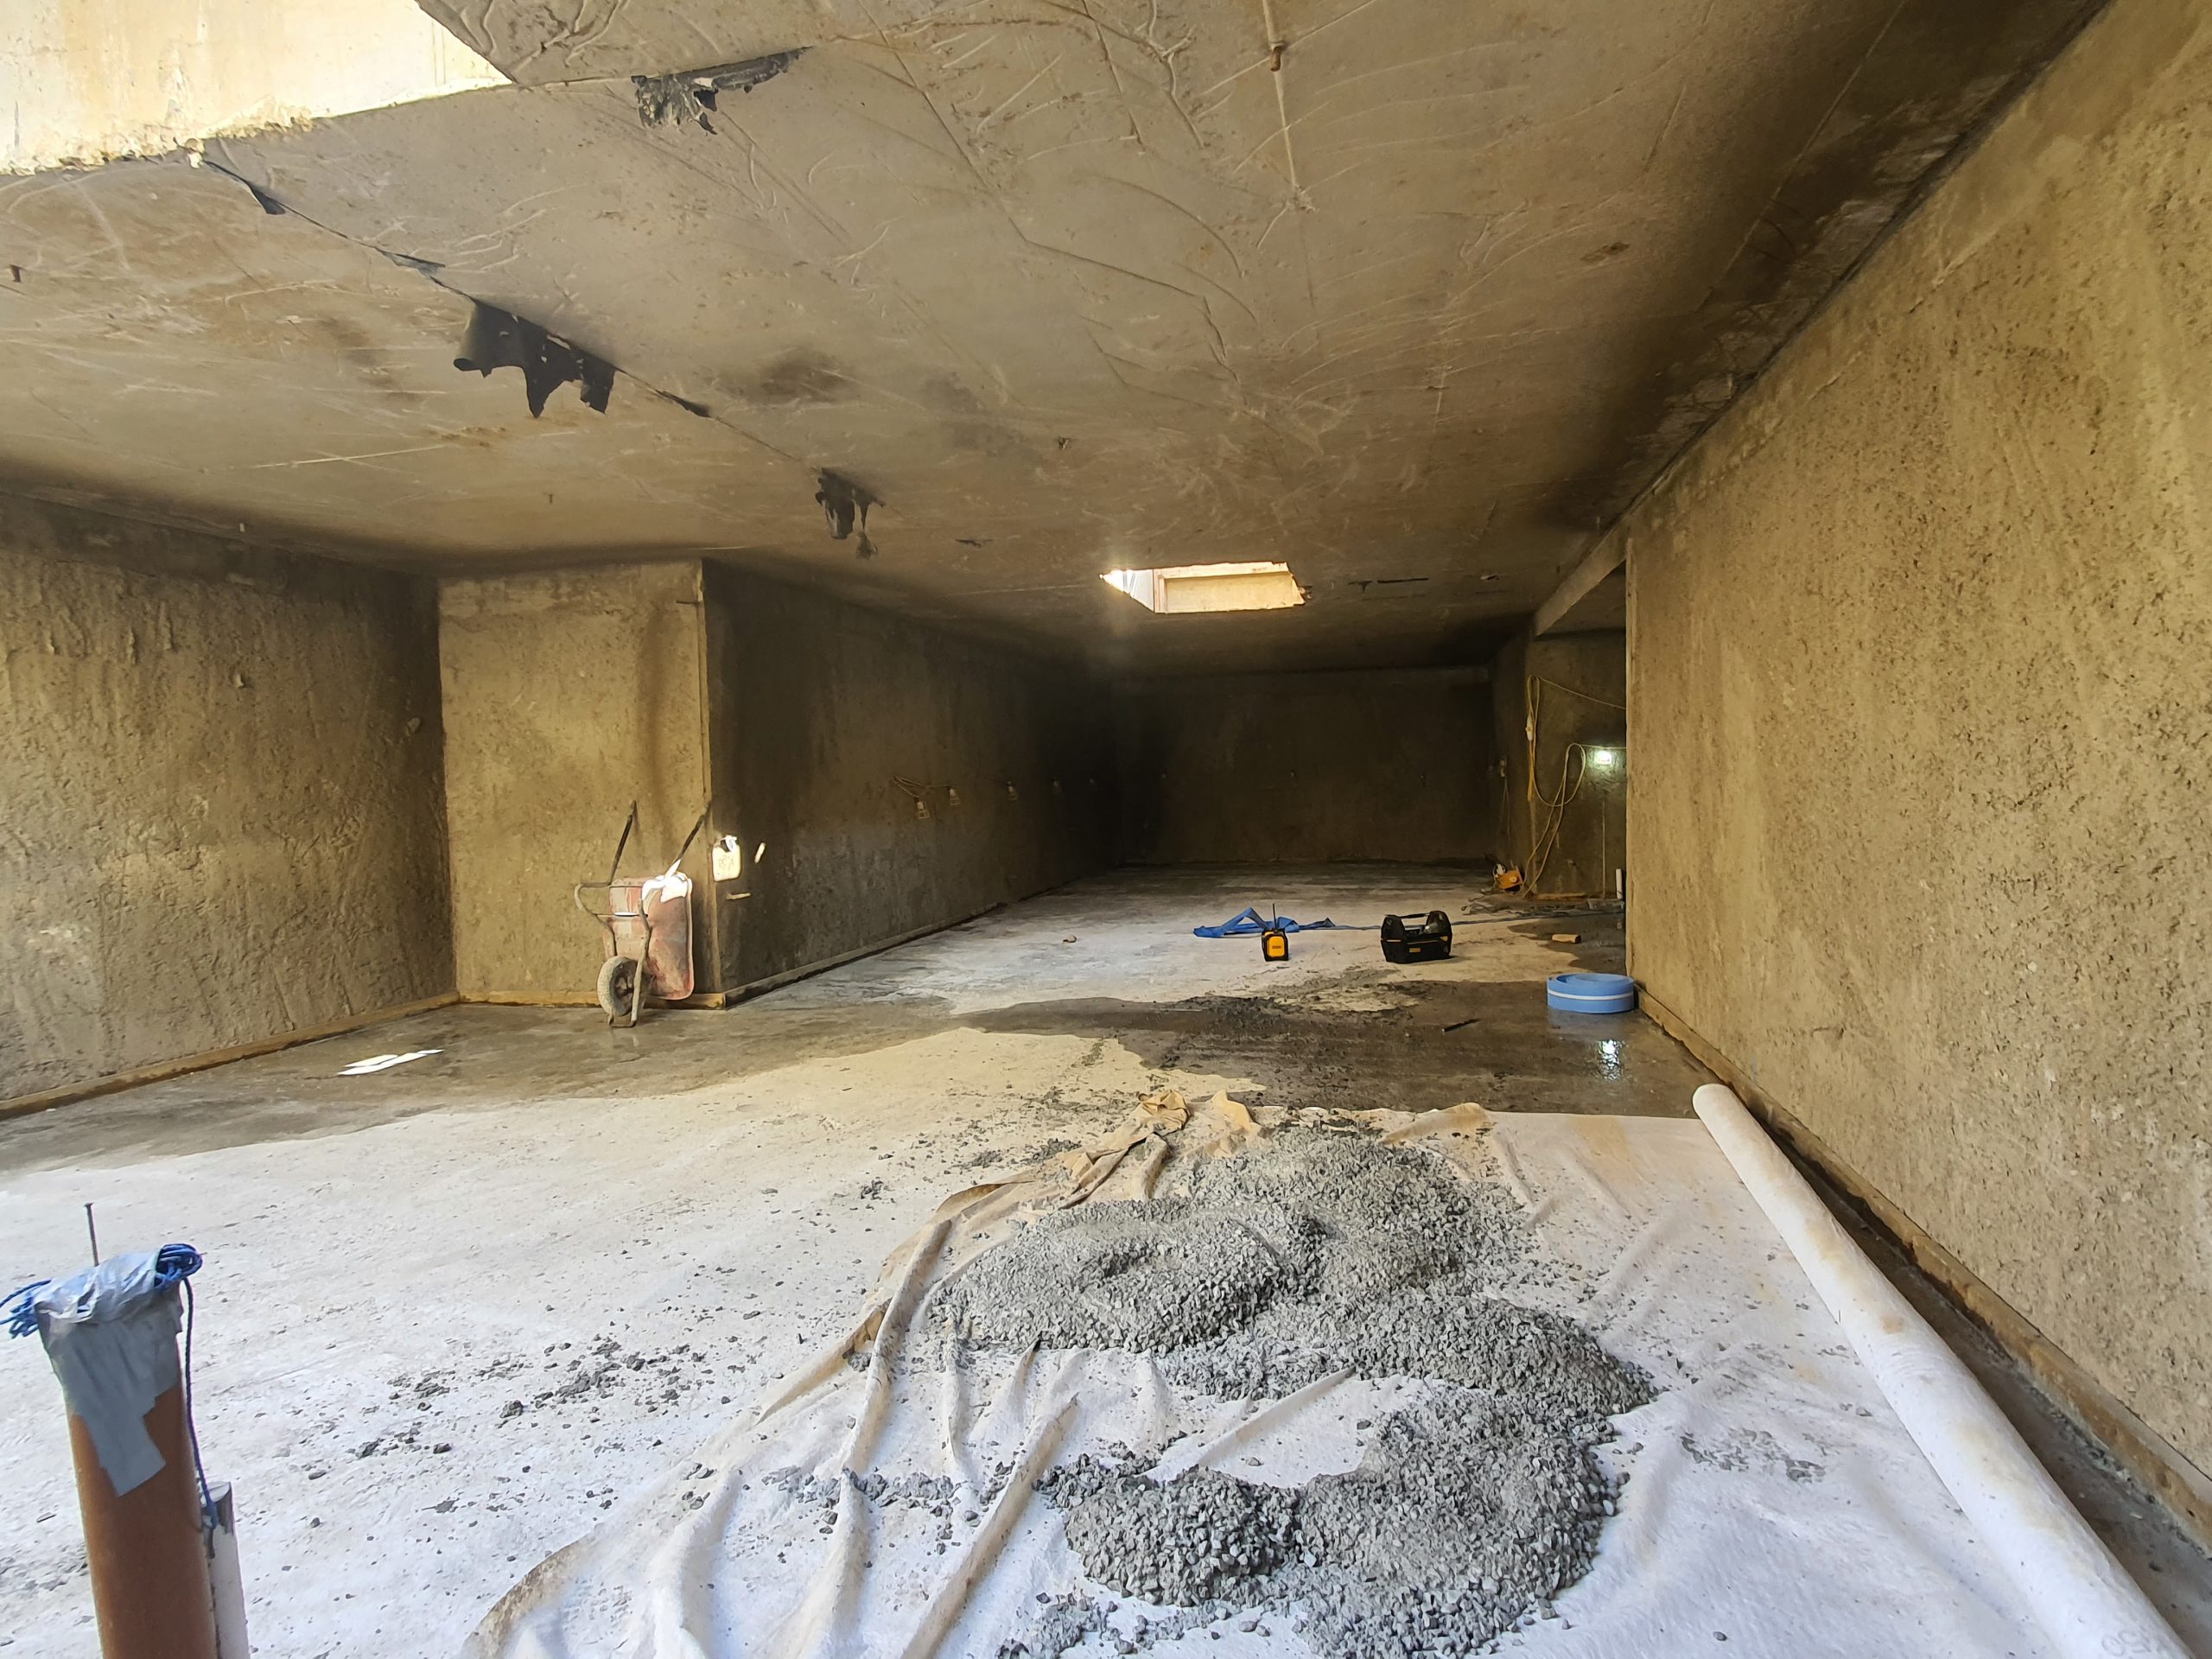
{"x":111,"y":1336}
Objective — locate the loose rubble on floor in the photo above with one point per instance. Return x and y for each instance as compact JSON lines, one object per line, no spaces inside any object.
{"x":1029,"y":1434}
{"x":1252,"y":1276}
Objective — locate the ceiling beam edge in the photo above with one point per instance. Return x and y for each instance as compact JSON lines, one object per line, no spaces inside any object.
{"x":1600,"y":561}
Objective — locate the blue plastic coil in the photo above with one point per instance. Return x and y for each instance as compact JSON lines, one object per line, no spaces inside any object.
{"x":1590,"y":993}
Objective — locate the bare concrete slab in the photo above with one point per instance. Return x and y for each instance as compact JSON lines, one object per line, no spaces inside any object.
{"x":1438,"y":286}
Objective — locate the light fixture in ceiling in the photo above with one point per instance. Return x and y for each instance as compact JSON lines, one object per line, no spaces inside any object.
{"x":1258,"y":585}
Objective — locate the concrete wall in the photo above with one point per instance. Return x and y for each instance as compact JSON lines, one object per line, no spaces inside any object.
{"x":1921,"y":724}
{"x":219,"y":771}
{"x":1298,"y":768}
{"x":568,"y":696}
{"x":84,"y":80}
{"x":1578,"y":685}
{"x":821,"y":708}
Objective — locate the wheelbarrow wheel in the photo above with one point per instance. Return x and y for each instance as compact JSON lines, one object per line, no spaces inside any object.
{"x":618,"y":986}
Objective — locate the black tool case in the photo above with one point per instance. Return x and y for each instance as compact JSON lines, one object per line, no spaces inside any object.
{"x":1428,"y":939}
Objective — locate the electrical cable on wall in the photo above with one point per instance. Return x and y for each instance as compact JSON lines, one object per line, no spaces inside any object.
{"x":1536,"y":680}
{"x":920,"y":793}
{"x":1547,"y":841}
{"x":1574,"y":771}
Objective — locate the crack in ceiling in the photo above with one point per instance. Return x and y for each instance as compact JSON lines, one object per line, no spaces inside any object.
{"x":1416,"y":296}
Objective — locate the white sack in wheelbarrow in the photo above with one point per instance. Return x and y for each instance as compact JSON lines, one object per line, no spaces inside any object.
{"x":1775,"y":1503}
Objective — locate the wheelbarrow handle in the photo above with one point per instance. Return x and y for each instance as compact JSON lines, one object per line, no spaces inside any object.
{"x":628,"y":824}
{"x":583,"y":887}
{"x":605,"y":918}
{"x":696,"y":826}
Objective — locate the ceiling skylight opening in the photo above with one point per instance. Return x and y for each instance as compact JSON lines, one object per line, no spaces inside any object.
{"x":1178,"y":589}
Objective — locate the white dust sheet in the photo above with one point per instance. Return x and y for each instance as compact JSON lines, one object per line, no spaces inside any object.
{"x":1772,"y":1502}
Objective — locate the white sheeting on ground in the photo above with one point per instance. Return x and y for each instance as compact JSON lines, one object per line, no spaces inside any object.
{"x":1774,"y":1501}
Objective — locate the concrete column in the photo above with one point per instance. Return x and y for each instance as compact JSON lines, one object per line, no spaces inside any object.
{"x":568,"y":695}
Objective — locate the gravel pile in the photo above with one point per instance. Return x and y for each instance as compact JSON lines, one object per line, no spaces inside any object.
{"x":1463,"y":1520}
{"x":1255,"y":1274}
{"x":1203,"y":1536}
{"x":1069,"y":1621}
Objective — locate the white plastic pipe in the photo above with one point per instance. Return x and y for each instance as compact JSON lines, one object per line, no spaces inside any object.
{"x":223,"y":1576}
{"x":2084,"y":1598}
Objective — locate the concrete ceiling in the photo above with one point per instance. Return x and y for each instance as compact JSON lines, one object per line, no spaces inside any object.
{"x":1417,"y":302}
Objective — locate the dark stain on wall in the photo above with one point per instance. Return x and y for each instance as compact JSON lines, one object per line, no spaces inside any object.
{"x":880,"y":776}
{"x":1939,"y":70}
{"x":222,"y":774}
{"x":1305,"y":769}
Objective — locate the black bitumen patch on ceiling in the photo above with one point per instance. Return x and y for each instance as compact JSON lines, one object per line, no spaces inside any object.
{"x":500,"y":339}
{"x":689,"y":96}
{"x":844,"y":505}
{"x":496,"y":339}
{"x":267,"y":203}
{"x":1936,"y":70}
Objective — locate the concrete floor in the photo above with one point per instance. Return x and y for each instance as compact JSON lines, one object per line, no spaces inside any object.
{"x":454,"y":1311}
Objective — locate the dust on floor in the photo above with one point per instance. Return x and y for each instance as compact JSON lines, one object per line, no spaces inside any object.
{"x":454,"y":1310}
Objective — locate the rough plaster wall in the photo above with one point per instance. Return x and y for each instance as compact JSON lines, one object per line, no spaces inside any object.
{"x":568,"y":696}
{"x":1298,"y":768}
{"x":220,"y":777}
{"x":820,"y":706}
{"x":1583,"y":684}
{"x":1921,"y":715}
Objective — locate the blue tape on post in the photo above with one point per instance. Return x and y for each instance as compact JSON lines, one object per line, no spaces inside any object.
{"x":109,"y":1334}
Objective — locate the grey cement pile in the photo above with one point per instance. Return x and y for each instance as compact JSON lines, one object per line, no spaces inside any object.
{"x":1255,"y":1274}
{"x":1463,"y":1520}
{"x":1203,"y":1536}
{"x":1069,"y":1621}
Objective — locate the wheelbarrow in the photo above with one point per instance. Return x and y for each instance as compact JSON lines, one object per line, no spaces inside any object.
{"x":648,"y":923}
